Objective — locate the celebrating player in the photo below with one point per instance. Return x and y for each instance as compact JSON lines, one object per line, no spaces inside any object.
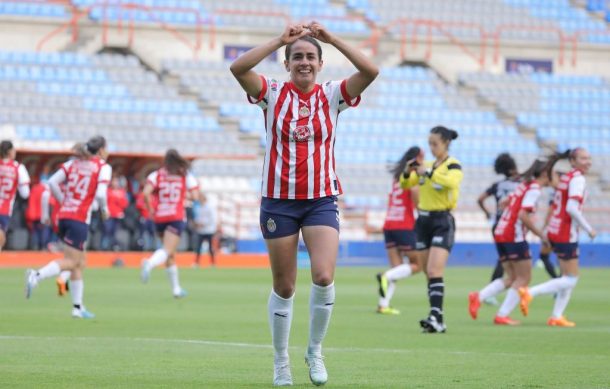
{"x":13,"y":177}
{"x":86,"y":179}
{"x":170,"y":184}
{"x":299,"y":180}
{"x":563,"y":232}
{"x":399,"y":233}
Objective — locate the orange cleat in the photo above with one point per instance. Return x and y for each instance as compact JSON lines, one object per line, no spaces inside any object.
{"x":560,"y":322}
{"x":62,"y":287}
{"x":474,"y":304}
{"x":505,"y":321}
{"x":526,"y":299}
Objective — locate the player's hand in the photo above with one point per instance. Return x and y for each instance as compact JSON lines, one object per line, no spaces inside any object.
{"x":592,"y":234}
{"x":104,"y":214}
{"x":544,"y":240}
{"x":292,"y":32}
{"x":421,"y":170}
{"x":411,"y":165}
{"x":320,"y":32}
{"x":45,"y":221}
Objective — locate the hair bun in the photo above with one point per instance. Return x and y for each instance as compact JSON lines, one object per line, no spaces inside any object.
{"x":454,"y":134}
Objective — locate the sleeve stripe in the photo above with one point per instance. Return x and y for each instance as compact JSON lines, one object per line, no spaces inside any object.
{"x":348,"y":100}
{"x":454,"y":166}
{"x":261,"y":95}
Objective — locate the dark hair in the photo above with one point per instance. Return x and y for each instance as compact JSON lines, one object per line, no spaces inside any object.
{"x":175,"y":163}
{"x":445,"y":133}
{"x":5,"y":147}
{"x":505,"y":165}
{"x":90,"y":148}
{"x":557,"y":156}
{"x":399,"y":166}
{"x":536,"y":170}
{"x":305,"y":38}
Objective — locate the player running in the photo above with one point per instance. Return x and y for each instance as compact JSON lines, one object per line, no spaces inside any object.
{"x":170,"y":185}
{"x":439,"y":183}
{"x":13,"y":177}
{"x":399,"y":233}
{"x":86,"y":177}
{"x":563,"y":232}
{"x":510,"y":237}
{"x":300,"y":186}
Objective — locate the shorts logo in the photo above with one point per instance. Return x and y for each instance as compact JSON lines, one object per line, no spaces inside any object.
{"x":271,"y":226}
{"x":301,"y":134}
{"x":437,"y":239}
{"x":420,"y":245}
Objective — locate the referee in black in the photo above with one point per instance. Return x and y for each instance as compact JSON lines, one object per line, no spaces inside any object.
{"x":439,"y":187}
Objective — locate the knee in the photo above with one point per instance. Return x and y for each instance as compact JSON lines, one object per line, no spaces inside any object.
{"x":415,"y":268}
{"x":322,"y":278}
{"x":284,"y":289}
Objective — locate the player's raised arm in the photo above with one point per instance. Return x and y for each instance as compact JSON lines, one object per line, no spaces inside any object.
{"x":242,"y":67}
{"x":367,"y":70}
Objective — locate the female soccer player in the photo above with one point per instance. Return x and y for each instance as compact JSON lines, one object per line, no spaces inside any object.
{"x":563,"y":232}
{"x":510,"y":237}
{"x":117,"y":203}
{"x":300,"y":186}
{"x":399,"y":233}
{"x":439,"y":183}
{"x":206,"y":221}
{"x":171,"y":184}
{"x":13,"y":177}
{"x":86,"y":179}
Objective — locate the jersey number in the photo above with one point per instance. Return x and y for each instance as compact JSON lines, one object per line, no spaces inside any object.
{"x":169,"y":192}
{"x":6,"y":187}
{"x":78,"y":185}
{"x":557,"y":203}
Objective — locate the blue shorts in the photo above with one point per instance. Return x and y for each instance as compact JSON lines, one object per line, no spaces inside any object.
{"x":4,"y":222}
{"x":175,"y":227}
{"x":73,"y":233}
{"x":280,"y":218}
{"x":403,"y":239}
{"x":565,"y":251}
{"x":519,"y":251}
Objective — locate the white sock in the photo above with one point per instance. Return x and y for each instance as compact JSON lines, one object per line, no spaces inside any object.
{"x":399,"y":272}
{"x":561,"y":302}
{"x":172,"y":275}
{"x":321,"y":302}
{"x":51,"y":269}
{"x":510,"y":302}
{"x":76,"y":290}
{"x":159,"y":257}
{"x":492,"y":289}
{"x":280,"y":320}
{"x":553,"y":286}
{"x":65,"y":275}
{"x":384,"y":302}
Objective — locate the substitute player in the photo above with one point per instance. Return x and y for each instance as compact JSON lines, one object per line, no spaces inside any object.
{"x":439,"y":183}
{"x":170,"y":185}
{"x":399,"y":233}
{"x":300,"y":186}
{"x":563,"y":232}
{"x":86,"y":177}
{"x":13,"y":177}
{"x":510,"y":237}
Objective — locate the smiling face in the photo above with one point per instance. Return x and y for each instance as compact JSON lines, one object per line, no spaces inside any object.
{"x":581,"y":160}
{"x":303,"y":63}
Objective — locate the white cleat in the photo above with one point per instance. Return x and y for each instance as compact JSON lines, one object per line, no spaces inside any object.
{"x":181,"y":293}
{"x":30,"y":282}
{"x":282,"y":375}
{"x":317,"y":370}
{"x":82,"y":313}
{"x":144,"y":271}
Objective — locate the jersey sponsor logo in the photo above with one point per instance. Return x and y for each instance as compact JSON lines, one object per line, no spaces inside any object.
{"x":302,"y":134}
{"x":271,"y":226}
{"x":273,"y":85}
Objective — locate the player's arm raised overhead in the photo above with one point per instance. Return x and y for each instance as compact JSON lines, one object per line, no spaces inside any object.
{"x":367,"y":70}
{"x":242,"y":67}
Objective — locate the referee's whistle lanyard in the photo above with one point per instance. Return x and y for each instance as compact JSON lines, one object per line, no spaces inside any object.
{"x":428,"y":175}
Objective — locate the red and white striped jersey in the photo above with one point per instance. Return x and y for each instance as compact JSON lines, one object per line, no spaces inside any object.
{"x":510,"y":229}
{"x":301,"y":129}
{"x":562,"y":229}
{"x":12,"y":176}
{"x":400,"y":209}
{"x":82,"y":176}
{"x":170,"y":191}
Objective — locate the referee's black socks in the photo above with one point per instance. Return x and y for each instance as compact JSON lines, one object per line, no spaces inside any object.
{"x":436,"y":292}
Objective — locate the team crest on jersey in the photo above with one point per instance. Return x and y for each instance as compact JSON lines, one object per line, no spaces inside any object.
{"x":302,"y":134}
{"x":271,"y":226}
{"x":304,"y":112}
{"x":273,"y":85}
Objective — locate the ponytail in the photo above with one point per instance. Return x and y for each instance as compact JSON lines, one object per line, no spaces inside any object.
{"x":90,"y":148}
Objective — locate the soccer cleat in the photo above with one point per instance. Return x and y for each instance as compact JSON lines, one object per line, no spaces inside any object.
{"x":382,"y":280}
{"x":505,"y":321}
{"x":30,"y":282}
{"x":180,"y":294}
{"x":282,"y":375}
{"x":526,"y":299}
{"x":388,"y":311}
{"x":560,"y":322}
{"x":317,"y":370}
{"x":82,"y":313}
{"x":62,"y":287}
{"x":474,"y":304}
{"x":431,"y":325}
{"x":144,"y":271}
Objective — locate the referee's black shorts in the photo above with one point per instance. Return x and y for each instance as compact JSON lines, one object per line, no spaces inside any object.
{"x":435,"y":229}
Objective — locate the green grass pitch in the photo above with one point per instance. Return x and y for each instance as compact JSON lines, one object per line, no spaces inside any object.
{"x":218,"y":336}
